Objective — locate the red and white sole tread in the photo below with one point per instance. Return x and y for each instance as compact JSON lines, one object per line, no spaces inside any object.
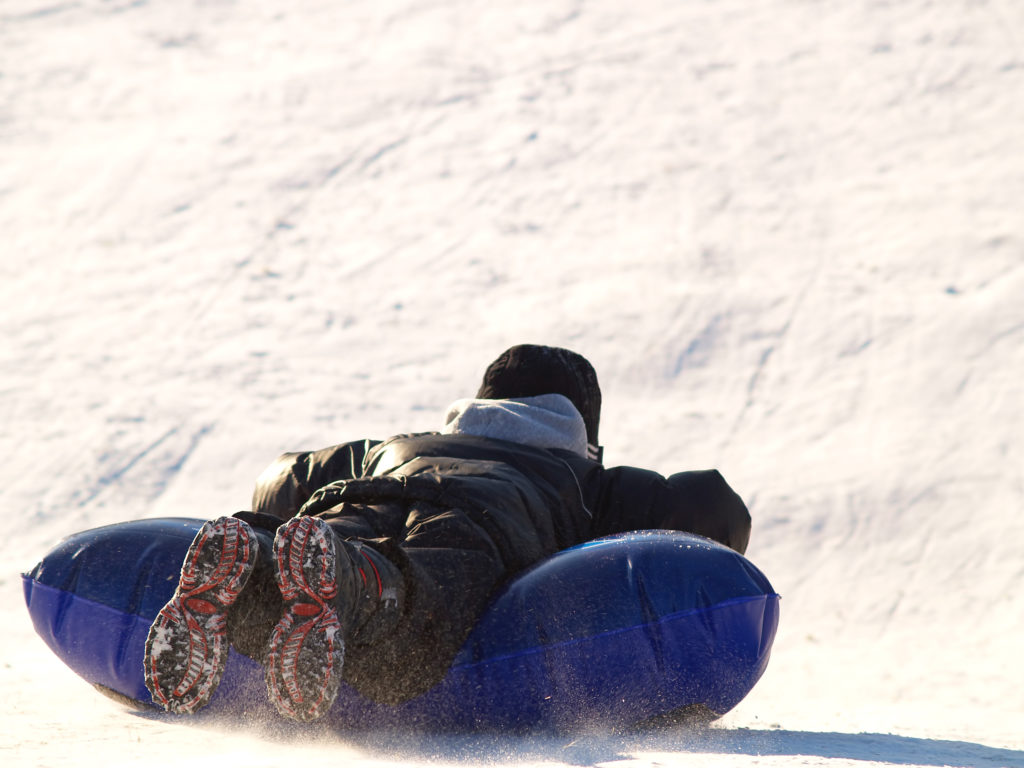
{"x":187,"y":645}
{"x":306,"y":649}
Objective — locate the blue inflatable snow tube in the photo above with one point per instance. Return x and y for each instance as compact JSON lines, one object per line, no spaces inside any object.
{"x":616,"y":631}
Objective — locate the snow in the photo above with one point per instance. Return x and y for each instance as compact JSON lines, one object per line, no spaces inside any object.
{"x":788,"y":233}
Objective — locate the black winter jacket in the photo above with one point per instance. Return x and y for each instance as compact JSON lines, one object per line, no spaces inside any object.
{"x":613,"y":499}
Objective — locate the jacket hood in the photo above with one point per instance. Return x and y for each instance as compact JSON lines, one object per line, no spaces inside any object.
{"x":544,"y":421}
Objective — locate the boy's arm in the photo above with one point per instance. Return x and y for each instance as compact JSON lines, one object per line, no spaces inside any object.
{"x":284,"y":486}
{"x":698,"y":502}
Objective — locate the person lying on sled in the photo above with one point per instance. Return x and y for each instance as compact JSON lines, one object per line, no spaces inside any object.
{"x":370,"y":562}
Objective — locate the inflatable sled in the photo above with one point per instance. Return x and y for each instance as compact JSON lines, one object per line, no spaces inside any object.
{"x":620,"y":630}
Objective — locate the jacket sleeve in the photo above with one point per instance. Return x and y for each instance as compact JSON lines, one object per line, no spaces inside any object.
{"x":284,"y":486}
{"x":698,"y":502}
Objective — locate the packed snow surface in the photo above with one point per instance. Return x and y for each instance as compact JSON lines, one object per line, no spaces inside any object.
{"x":788,"y":233}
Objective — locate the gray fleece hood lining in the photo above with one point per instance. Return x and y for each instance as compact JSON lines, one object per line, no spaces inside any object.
{"x":543,"y":421}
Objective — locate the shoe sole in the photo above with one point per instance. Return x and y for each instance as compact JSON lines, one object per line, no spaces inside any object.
{"x":187,"y":646}
{"x":306,"y":651}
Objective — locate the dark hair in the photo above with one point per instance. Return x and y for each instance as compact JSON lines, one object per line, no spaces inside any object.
{"x":528,"y":370}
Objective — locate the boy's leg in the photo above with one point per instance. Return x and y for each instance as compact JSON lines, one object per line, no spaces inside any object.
{"x":332,"y":590}
{"x":187,"y":646}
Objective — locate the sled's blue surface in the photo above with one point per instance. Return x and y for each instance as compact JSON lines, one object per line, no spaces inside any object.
{"x":611,"y":632}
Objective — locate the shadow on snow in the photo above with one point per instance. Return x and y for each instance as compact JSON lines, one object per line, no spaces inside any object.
{"x":593,"y":749}
{"x":601,"y":747}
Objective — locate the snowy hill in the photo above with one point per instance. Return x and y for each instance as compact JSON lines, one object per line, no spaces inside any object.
{"x":788,"y":235}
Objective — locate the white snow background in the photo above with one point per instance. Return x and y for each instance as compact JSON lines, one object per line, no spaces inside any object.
{"x":788,"y":233}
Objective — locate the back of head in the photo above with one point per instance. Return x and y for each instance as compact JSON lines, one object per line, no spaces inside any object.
{"x":528,"y":370}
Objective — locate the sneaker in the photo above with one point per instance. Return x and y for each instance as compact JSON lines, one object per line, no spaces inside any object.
{"x":187,"y":646}
{"x":333,"y":590}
